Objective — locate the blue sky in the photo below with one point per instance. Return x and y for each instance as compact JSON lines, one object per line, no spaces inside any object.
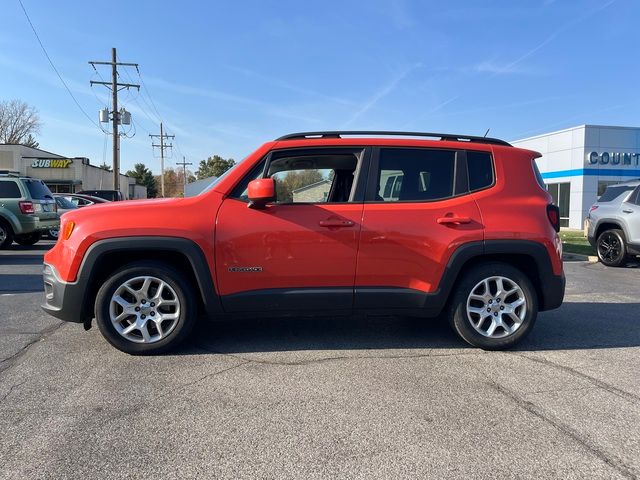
{"x":227,"y":76}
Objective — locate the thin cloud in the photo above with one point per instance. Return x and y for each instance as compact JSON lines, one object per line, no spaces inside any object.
{"x":383,"y":92}
{"x":512,"y":65}
{"x":267,"y":108}
{"x":289,"y":86}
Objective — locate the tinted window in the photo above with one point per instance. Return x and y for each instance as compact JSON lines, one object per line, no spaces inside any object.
{"x":9,"y":189}
{"x":538,"y":175}
{"x":415,"y":174}
{"x":480,"y":170}
{"x":38,"y":190}
{"x":614,"y":192}
{"x":635,"y":198}
{"x":64,"y":203}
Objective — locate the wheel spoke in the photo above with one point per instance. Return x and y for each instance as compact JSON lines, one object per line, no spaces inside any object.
{"x":122,"y":302}
{"x":130,"y":329}
{"x":158,"y":323}
{"x":144,"y":329}
{"x":144,"y":290}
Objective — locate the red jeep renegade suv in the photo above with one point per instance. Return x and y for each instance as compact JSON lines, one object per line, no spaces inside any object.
{"x":323,"y":223}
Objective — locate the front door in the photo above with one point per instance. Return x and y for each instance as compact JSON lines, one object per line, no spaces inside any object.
{"x":298,"y":253}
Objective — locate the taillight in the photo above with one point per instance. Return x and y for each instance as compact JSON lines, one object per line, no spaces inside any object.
{"x":593,"y":207}
{"x":553,"y":214}
{"x":26,"y":207}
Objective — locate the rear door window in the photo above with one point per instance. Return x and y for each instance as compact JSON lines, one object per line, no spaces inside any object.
{"x":9,"y":189}
{"x":415,"y":174}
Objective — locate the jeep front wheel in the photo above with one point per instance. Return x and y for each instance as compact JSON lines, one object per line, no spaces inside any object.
{"x":494,"y":307}
{"x":145,"y":308}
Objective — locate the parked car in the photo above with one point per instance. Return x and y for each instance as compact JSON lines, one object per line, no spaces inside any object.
{"x":81,"y":200}
{"x":27,"y":210}
{"x":111,"y":195}
{"x":64,"y":206}
{"x":613,"y":223}
{"x":470,"y":231}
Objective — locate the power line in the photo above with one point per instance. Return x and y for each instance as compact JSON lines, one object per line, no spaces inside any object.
{"x":54,"y":67}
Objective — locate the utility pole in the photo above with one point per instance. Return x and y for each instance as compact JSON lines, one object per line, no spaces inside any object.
{"x":115,"y":115}
{"x":162,"y":146}
{"x":184,"y":164}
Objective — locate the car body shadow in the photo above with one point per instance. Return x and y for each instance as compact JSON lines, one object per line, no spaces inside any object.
{"x":573,"y":326}
{"x":21,"y":283}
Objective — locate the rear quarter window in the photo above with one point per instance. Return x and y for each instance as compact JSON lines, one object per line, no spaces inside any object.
{"x":614,"y":192}
{"x":538,"y":175}
{"x":9,"y":189}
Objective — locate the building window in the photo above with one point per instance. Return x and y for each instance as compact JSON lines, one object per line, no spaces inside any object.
{"x":560,"y":194}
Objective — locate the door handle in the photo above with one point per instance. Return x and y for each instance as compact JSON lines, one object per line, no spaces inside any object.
{"x":627,"y":211}
{"x":453,"y":220}
{"x":336,"y":223}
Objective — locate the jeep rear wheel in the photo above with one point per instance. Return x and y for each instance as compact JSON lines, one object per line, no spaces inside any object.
{"x":611,"y":247}
{"x":28,"y":239}
{"x":6,"y":235}
{"x":145,"y":308}
{"x":494,"y":307}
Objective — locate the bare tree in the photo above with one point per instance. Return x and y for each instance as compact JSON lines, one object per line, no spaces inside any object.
{"x":19,"y":122}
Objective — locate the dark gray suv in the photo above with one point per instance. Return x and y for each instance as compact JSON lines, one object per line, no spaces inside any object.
{"x":613,"y":223}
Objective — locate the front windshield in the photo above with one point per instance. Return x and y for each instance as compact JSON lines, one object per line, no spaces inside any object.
{"x":215,"y":181}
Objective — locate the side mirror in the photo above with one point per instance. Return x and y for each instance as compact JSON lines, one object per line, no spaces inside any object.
{"x":261,"y":192}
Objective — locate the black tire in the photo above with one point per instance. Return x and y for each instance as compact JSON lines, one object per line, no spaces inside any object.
{"x":175,"y":279}
{"x":6,"y":235}
{"x":460,"y":321}
{"x":612,"y":248}
{"x":28,"y":239}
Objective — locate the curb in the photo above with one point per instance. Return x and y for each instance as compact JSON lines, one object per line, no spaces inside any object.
{"x":577,"y":257}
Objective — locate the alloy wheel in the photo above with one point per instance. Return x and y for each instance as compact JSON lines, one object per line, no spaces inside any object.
{"x":609,"y":247}
{"x":3,"y":234}
{"x":144,"y":309}
{"x":496,"y":307}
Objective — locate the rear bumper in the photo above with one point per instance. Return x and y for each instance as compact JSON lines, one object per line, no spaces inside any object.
{"x":552,"y":292}
{"x":61,"y":299}
{"x":32,"y":224}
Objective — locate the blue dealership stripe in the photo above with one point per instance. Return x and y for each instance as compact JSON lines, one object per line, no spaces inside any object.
{"x":605,"y":172}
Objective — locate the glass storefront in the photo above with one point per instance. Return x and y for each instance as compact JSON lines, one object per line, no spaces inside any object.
{"x":560,"y":194}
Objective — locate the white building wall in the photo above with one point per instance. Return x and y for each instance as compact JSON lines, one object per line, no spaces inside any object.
{"x":565,"y":158}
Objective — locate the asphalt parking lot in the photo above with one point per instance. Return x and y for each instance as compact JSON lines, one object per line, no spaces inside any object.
{"x":324,"y":398}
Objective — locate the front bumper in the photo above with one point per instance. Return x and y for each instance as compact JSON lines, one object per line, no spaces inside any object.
{"x":61,"y":299}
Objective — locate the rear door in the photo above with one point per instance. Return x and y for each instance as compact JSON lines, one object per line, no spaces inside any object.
{"x":417,"y":212}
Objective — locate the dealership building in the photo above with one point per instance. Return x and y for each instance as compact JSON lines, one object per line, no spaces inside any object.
{"x":578,"y":163}
{"x":64,"y":174}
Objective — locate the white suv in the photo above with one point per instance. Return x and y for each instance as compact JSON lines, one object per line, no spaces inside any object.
{"x":614,"y":223}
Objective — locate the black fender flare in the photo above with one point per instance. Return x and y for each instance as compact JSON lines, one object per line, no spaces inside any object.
{"x":194,"y":254}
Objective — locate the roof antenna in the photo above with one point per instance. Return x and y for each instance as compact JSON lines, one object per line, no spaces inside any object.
{"x":487,"y":132}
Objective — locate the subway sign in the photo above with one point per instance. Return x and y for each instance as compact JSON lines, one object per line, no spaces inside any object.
{"x":51,"y":163}
{"x":613,"y":158}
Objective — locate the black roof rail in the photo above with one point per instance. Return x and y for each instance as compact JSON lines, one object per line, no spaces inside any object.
{"x":441,"y":136}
